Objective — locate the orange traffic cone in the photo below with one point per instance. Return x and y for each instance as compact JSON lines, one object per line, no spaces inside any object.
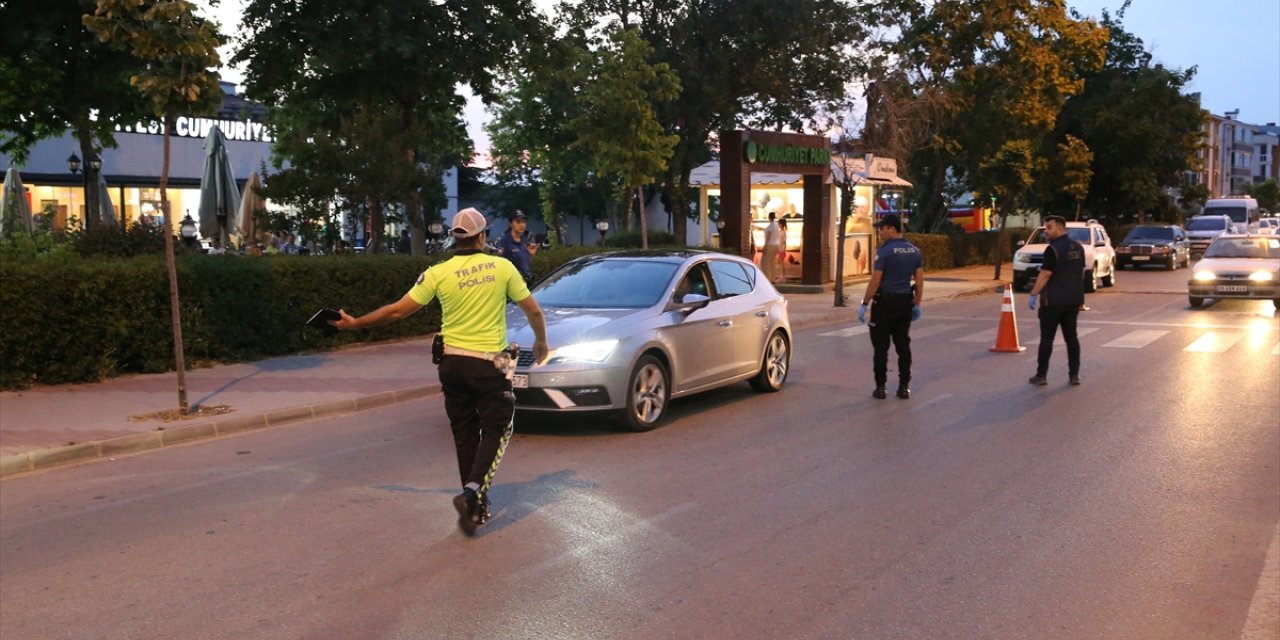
{"x":1007,"y":334}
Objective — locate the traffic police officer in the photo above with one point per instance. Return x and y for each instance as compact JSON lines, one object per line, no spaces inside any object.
{"x":895,"y":291}
{"x":517,"y":245}
{"x":473,"y":288}
{"x":1060,"y":291}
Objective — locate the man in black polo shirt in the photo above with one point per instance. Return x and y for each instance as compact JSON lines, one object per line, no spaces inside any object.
{"x":898,"y":264}
{"x":1059,"y":290}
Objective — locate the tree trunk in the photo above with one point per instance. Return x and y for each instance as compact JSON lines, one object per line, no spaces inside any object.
{"x":92,"y":208}
{"x":846,"y":208}
{"x":644,"y":222}
{"x":1079,"y":204}
{"x":172,"y":268}
{"x":376,"y":224}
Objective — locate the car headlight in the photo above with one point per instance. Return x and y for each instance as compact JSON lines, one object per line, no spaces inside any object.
{"x":1161,"y":249}
{"x":1021,"y":257}
{"x":1204,"y":276}
{"x":1261,"y":276}
{"x":584,"y":352}
{"x":1122,"y":249}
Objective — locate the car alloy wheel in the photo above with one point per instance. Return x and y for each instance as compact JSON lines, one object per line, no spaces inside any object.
{"x":1090,"y":282}
{"x":774,"y":366}
{"x":1196,"y":303}
{"x":647,"y":394}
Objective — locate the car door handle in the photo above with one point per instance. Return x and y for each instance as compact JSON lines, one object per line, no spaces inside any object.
{"x":762,"y":314}
{"x":725,"y":323}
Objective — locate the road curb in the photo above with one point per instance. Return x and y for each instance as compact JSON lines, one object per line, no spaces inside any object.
{"x":40,"y":459}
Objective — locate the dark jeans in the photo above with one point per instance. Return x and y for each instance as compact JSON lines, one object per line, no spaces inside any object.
{"x":1050,"y":319}
{"x":480,"y":404}
{"x":891,"y":320}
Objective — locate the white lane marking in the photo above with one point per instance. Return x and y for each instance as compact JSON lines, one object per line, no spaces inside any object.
{"x":986,"y":335}
{"x":847,"y":332}
{"x":1136,"y":339}
{"x":1127,"y":323}
{"x":1276,"y":351}
{"x":932,"y":329}
{"x":1264,"y":608}
{"x":1080,"y":333}
{"x":1214,"y":342}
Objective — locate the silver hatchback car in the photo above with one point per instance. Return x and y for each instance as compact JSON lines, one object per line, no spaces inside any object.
{"x":631,"y":330}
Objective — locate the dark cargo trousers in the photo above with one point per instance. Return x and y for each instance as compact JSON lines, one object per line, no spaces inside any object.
{"x":480,"y":405}
{"x":891,"y":321}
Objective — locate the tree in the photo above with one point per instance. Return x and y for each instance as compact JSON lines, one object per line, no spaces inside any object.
{"x":322,"y":65}
{"x":179,"y":52}
{"x":1267,"y":193}
{"x":618,"y":124}
{"x":755,"y":63}
{"x":60,"y":77}
{"x":1144,"y":131}
{"x":993,"y":75}
{"x":1074,"y":163}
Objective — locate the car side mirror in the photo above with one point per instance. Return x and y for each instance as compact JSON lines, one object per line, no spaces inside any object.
{"x":1021,"y":243}
{"x":692,"y":302}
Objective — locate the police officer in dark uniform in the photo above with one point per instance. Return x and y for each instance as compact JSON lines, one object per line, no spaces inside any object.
{"x":895,"y":291}
{"x":1059,"y":290}
{"x":518,"y":246}
{"x":475,"y":363}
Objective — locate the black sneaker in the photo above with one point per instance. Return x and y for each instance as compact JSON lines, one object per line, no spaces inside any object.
{"x":904,"y":393}
{"x":1038,"y":381}
{"x":1075,"y":381}
{"x":879,"y":393}
{"x":465,"y":503}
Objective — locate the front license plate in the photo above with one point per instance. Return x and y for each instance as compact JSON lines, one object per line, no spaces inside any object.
{"x":1231,"y":288}
{"x":1140,"y":258}
{"x":520,"y":381}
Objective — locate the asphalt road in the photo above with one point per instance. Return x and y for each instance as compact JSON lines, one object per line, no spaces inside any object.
{"x":1143,"y":504}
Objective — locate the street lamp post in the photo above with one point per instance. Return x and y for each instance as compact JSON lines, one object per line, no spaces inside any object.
{"x":188,"y":231}
{"x":602,"y":226}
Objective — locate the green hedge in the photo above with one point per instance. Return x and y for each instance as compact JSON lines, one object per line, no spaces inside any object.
{"x":963,"y":249}
{"x":85,"y":320}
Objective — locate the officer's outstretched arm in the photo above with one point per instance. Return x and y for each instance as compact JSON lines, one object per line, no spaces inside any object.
{"x":539,"y":325}
{"x":382,"y":315}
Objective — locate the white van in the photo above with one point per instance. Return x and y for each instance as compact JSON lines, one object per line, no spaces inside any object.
{"x":1243,"y":211}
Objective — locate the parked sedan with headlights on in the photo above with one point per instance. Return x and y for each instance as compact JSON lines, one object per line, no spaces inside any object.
{"x":1237,"y":266}
{"x":630,"y":331}
{"x":1163,"y":244}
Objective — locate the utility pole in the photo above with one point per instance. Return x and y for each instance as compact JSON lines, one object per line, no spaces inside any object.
{"x":1000,"y":238}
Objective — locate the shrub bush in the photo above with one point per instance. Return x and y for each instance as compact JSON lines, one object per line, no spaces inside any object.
{"x":84,"y":320}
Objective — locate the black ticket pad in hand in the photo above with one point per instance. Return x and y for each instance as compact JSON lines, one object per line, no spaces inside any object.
{"x":321,"y":319}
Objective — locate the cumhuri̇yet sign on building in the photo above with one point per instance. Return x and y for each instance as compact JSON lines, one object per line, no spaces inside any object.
{"x":189,"y":127}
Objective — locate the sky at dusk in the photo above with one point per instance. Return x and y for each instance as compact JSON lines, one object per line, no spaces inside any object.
{"x":1232,"y":43}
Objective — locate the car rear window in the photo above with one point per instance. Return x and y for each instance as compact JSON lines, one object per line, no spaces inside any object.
{"x":1149,"y":233}
{"x":1206,"y":224}
{"x":606,"y":284}
{"x":731,"y":279}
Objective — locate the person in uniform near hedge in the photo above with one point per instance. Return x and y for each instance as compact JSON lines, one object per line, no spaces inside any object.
{"x":1061,"y":284}
{"x":517,"y":245}
{"x":473,"y":288}
{"x":894,"y":294}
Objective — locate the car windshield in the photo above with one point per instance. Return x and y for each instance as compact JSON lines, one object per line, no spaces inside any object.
{"x":607,"y":284}
{"x":1149,"y":233}
{"x":1206,"y":224}
{"x":1268,"y":248}
{"x":1079,"y":234}
{"x":1237,"y":214}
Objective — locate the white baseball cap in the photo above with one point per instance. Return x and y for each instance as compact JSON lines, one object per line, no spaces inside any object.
{"x":467,"y":223}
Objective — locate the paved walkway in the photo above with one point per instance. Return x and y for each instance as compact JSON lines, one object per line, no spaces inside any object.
{"x":48,"y":426}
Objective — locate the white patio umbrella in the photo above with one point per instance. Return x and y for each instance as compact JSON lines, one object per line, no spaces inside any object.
{"x":219,"y":195}
{"x":14,"y":209}
{"x":250,"y":204}
{"x":107,"y":213}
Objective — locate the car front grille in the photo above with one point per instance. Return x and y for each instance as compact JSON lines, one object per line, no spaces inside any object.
{"x":1140,"y":250}
{"x":534,"y":398}
{"x":1036,"y":259}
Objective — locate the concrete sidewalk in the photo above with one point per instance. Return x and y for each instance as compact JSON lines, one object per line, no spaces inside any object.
{"x":44,"y":427}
